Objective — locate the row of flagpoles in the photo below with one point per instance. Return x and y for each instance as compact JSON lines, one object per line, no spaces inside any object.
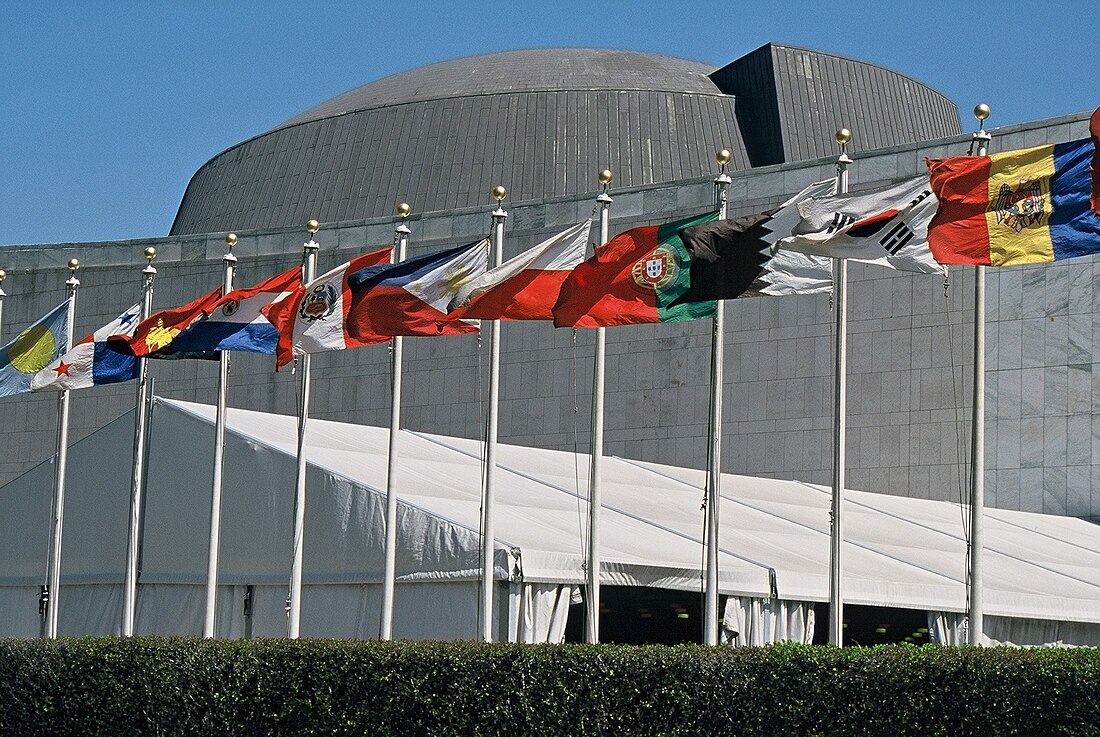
{"x":689,"y":267}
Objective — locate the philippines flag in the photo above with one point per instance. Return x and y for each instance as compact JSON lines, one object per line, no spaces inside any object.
{"x":527,"y":286}
{"x":236,"y":321}
{"x":414,"y":296}
{"x":311,"y":318}
{"x":89,"y":362}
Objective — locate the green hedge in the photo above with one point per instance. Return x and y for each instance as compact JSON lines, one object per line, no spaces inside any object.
{"x":152,"y":686}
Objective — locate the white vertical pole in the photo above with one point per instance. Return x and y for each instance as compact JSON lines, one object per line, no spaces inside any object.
{"x":714,"y":450}
{"x":137,"y":481}
{"x":488,"y":502}
{"x":389,"y":575}
{"x":230,"y":262}
{"x":3,"y":276}
{"x":840,"y":414}
{"x":976,"y":614}
{"x":592,"y":621}
{"x":294,"y":618}
{"x":62,"y":461}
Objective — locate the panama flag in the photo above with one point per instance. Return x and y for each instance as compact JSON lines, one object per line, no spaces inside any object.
{"x":636,"y":277}
{"x":90,"y":362}
{"x":527,"y":286}
{"x":236,"y":322}
{"x":153,"y":336}
{"x":33,"y":350}
{"x":413,"y":298}
{"x":888,"y":227}
{"x":310,"y":319}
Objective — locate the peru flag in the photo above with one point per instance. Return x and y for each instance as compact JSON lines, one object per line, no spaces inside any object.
{"x":413,"y":297}
{"x":311,"y":318}
{"x":527,"y":286}
{"x":89,"y":363}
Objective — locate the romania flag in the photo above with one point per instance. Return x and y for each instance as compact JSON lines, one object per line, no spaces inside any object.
{"x":1019,"y":207}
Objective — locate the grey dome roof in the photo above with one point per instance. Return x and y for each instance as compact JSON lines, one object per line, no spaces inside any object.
{"x":529,"y":70}
{"x":542,"y":122}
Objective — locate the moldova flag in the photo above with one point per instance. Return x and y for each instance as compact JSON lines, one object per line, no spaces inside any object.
{"x":636,"y":277}
{"x":1019,"y":207}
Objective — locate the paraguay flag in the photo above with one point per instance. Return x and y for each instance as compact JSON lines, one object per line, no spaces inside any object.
{"x":413,"y":297}
{"x":236,"y":321}
{"x":90,"y":362}
{"x":1019,"y":207}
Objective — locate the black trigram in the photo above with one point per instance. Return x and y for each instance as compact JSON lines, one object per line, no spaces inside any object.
{"x":840,"y":222}
{"x":896,"y":238}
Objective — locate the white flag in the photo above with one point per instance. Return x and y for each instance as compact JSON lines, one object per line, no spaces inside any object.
{"x":888,"y":227}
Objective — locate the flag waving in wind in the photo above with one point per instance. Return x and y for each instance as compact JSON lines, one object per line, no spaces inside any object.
{"x":33,"y":350}
{"x":527,"y":286}
{"x":413,"y":297}
{"x":636,"y":277}
{"x":1028,"y":206}
{"x":236,"y":323}
{"x":311,"y":318}
{"x":89,"y":362}
{"x":153,"y":336}
{"x":888,"y":227}
{"x":735,"y":258}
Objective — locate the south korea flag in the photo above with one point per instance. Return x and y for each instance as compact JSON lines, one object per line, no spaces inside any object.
{"x":888,"y":227}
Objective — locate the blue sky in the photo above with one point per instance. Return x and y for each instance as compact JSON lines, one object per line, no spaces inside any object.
{"x":109,"y":108}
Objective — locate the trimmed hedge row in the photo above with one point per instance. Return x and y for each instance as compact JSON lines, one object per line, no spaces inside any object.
{"x":153,"y":686}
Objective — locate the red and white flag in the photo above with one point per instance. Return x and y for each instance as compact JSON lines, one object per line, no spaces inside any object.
{"x":312,"y":318}
{"x":525,"y":287}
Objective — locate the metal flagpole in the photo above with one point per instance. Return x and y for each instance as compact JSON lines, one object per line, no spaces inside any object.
{"x":137,"y":481}
{"x":230,"y":262}
{"x":840,"y":412}
{"x":294,"y":618}
{"x":488,"y":511}
{"x":62,"y":461}
{"x":389,"y":575}
{"x":714,"y":450}
{"x":3,"y":276}
{"x":592,"y":621}
{"x":976,"y":614}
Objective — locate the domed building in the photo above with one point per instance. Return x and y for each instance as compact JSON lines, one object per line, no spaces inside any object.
{"x":542,"y":121}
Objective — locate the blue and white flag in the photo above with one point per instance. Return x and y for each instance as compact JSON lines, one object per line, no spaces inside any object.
{"x":235,"y":322}
{"x":90,"y":362}
{"x":33,"y":350}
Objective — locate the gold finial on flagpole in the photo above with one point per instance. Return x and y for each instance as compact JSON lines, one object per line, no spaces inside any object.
{"x":74,"y":264}
{"x":404,"y":210}
{"x":312,"y":226}
{"x":150,"y":253}
{"x":605,"y":177}
{"x":499,"y":193}
{"x":981,"y":112}
{"x":843,"y":136}
{"x":3,"y":275}
{"x":231,"y":240}
{"x":723,"y":157}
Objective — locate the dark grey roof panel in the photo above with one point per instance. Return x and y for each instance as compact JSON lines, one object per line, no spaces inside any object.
{"x":445,"y":154}
{"x":530,"y":70}
{"x":791,"y":101}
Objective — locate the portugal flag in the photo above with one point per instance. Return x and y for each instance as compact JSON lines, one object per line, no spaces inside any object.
{"x":636,"y":277}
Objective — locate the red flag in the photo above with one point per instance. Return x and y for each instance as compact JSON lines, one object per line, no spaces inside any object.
{"x":153,"y":336}
{"x":1094,"y":129}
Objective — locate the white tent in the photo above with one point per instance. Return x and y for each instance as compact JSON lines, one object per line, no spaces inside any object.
{"x":1042,"y":571}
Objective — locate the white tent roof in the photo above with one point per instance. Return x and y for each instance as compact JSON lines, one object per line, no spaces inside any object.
{"x":898,"y":552}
